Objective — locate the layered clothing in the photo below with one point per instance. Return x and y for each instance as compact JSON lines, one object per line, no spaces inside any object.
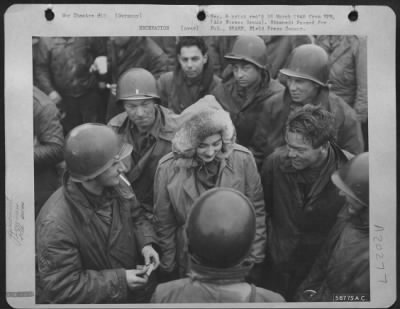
{"x":245,"y":107}
{"x":303,"y":206}
{"x":342,"y":266}
{"x":85,"y":242}
{"x":213,"y":285}
{"x":147,"y":152}
{"x":348,"y":69}
{"x":176,"y":189}
{"x":270,"y":133}
{"x":48,"y":147}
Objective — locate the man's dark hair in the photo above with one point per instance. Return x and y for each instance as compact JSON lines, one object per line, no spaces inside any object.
{"x":316,"y":124}
{"x":186,"y":41}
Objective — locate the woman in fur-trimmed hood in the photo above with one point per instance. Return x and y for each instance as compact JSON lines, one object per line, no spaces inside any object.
{"x":204,"y":156}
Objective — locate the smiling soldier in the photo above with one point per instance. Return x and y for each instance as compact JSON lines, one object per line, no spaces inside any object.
{"x":299,"y":195}
{"x":306,"y":80}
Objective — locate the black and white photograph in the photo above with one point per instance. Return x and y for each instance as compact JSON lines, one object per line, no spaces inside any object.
{"x":211,"y":156}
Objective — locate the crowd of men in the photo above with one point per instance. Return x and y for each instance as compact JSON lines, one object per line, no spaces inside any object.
{"x":200,"y":169}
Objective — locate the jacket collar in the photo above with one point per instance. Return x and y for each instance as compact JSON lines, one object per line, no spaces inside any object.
{"x":78,"y":200}
{"x":334,"y":160}
{"x":236,"y":273}
{"x":226,"y":171}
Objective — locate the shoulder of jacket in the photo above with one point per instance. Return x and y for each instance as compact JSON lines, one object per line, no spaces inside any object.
{"x":166,"y":77}
{"x":118,"y":120}
{"x":168,"y":291}
{"x":338,"y":104}
{"x":167,"y":159}
{"x":241,"y":149}
{"x":217,"y":80}
{"x":269,"y":296}
{"x":42,"y":99}
{"x":170,"y":123}
{"x":55,"y":211}
{"x":276,"y":87}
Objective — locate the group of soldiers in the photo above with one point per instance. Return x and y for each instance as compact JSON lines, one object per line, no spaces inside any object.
{"x":200,"y":169}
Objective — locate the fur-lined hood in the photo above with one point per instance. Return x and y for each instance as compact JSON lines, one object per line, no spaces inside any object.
{"x":207,"y":120}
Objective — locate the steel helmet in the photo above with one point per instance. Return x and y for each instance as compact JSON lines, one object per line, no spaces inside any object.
{"x":310,"y":62}
{"x":137,"y":84}
{"x":221,"y":228}
{"x":92,"y":148}
{"x":251,"y":49}
{"x":353,"y":178}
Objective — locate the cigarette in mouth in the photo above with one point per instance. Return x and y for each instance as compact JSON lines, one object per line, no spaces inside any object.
{"x":124,"y":179}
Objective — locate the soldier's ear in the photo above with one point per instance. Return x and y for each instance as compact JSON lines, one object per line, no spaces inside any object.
{"x":205,"y":57}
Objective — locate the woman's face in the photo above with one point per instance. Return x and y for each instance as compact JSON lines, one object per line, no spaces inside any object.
{"x":209,"y":147}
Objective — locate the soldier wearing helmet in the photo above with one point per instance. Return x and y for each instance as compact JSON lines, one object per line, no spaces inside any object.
{"x":248,"y":90}
{"x":91,"y":235}
{"x":299,"y":195}
{"x":306,"y":79}
{"x":193,"y":77}
{"x":124,"y":53}
{"x":343,"y":263}
{"x":220,"y":230}
{"x":147,"y":126}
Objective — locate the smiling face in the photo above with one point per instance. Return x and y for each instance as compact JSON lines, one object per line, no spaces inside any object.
{"x":141,"y":112}
{"x":192,"y":61}
{"x":245,"y":73}
{"x":209,"y":148}
{"x":302,"y":90}
{"x":301,"y":153}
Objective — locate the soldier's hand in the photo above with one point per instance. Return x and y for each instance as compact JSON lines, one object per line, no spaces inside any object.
{"x":136,"y":278}
{"x":113,"y":89}
{"x":55,"y":97}
{"x":151,"y":256}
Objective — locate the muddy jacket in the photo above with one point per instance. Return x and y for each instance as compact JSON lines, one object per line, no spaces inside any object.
{"x":142,"y":172}
{"x":245,"y":111}
{"x":271,"y":133}
{"x":48,"y":147}
{"x":342,"y":266}
{"x":82,"y":259}
{"x":348,"y":69}
{"x":299,"y":222}
{"x":176,"y":190}
{"x":213,"y":285}
{"x":62,"y":64}
{"x":177,"y":92}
